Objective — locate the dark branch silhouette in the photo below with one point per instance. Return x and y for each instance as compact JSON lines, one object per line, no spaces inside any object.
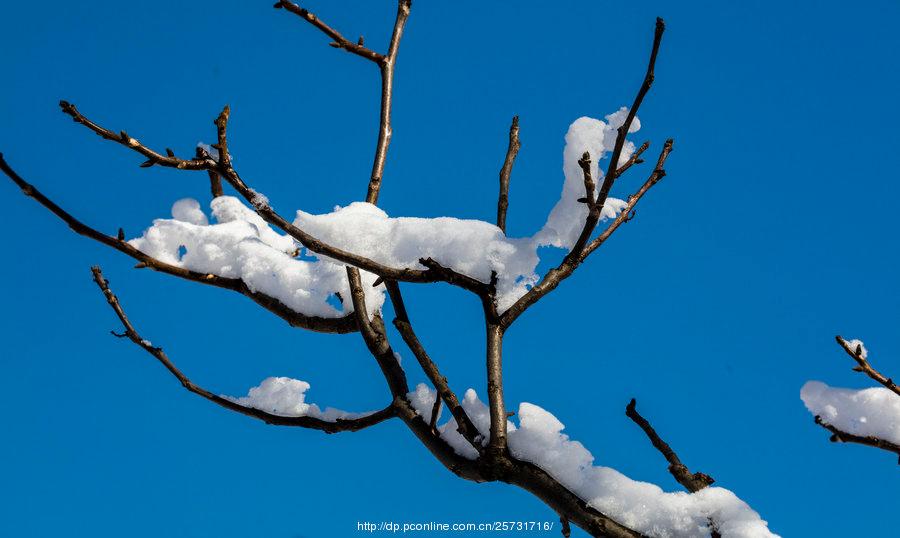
{"x":494,"y":461}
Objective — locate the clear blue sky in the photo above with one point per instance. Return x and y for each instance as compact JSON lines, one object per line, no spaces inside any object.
{"x":774,"y":230}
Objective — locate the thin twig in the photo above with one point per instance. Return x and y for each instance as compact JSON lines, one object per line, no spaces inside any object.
{"x":385,"y":131}
{"x":612,"y":169}
{"x":693,"y":482}
{"x":511,"y":151}
{"x":269,"y":418}
{"x":340,"y":41}
{"x":153,"y":157}
{"x":556,"y":275}
{"x":865,"y":367}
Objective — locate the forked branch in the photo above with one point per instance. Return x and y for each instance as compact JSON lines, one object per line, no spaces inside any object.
{"x":386,"y":63}
{"x":269,"y":418}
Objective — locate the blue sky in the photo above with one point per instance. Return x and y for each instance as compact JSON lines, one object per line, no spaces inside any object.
{"x":773,"y":231}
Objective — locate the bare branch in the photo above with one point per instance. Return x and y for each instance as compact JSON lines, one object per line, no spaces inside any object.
{"x":344,"y":324}
{"x":865,"y":367}
{"x":633,"y":160}
{"x":511,"y":151}
{"x":387,"y":94}
{"x":340,"y":41}
{"x":221,"y":124}
{"x":376,"y":338}
{"x":215,"y":181}
{"x":153,"y":157}
{"x":612,"y":168}
{"x":496,"y":405}
{"x":839,"y":436}
{"x":693,"y":482}
{"x":269,"y":418}
{"x":556,"y":275}
{"x":626,"y":215}
{"x":404,"y":327}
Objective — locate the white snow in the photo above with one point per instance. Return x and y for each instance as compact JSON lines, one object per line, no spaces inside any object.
{"x":287,"y":397}
{"x":867,"y":412}
{"x":188,"y":210}
{"x":422,"y":400}
{"x":857,"y":344}
{"x":639,"y":505}
{"x":241,"y":245}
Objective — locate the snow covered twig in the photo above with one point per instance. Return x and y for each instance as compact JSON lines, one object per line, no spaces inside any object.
{"x":869,"y":417}
{"x":314,"y":423}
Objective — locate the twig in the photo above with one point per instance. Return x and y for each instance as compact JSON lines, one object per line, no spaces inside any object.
{"x":435,"y":409}
{"x":511,"y":151}
{"x":556,"y":275}
{"x":269,"y":418}
{"x":387,"y":93}
{"x":153,"y":157}
{"x":865,"y":367}
{"x":434,"y":273}
{"x":340,"y":41}
{"x":345,"y":324}
{"x":693,"y":482}
{"x":840,"y":436}
{"x":612,"y":169}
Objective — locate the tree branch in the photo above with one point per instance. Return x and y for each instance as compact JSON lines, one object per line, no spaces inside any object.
{"x":122,"y":138}
{"x":376,"y":338}
{"x":404,"y":327}
{"x":511,"y":151}
{"x":269,"y":418}
{"x":496,"y":405}
{"x":840,"y":436}
{"x":865,"y":367}
{"x":345,"y":324}
{"x":340,"y":42}
{"x":596,"y":205}
{"x":556,"y":275}
{"x":434,"y":272}
{"x":692,"y":482}
{"x":387,"y":94}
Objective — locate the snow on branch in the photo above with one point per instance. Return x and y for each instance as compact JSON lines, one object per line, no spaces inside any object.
{"x":242,"y":245}
{"x":641,"y":506}
{"x":276,"y":401}
{"x":865,"y":416}
{"x":329,"y":272}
